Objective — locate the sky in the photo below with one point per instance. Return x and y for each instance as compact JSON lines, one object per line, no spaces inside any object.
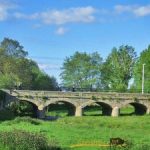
{"x":51,"y":30}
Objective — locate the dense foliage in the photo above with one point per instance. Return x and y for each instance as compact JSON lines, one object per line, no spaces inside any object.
{"x":118,"y":68}
{"x":23,"y":140}
{"x":82,"y":71}
{"x":87,"y":71}
{"x":17,"y":71}
{"x":143,"y":59}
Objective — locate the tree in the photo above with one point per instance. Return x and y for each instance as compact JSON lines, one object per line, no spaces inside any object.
{"x":12,"y":64}
{"x":13,"y":48}
{"x":8,"y":80}
{"x":143,"y":59}
{"x":19,"y":72}
{"x":117,"y":70}
{"x":23,"y":69}
{"x":45,"y":82}
{"x":82,"y":70}
{"x":16,"y":71}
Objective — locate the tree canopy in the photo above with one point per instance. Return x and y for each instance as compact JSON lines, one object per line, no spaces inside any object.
{"x":13,"y":48}
{"x":144,"y":58}
{"x":82,"y":70}
{"x":17,"y":71}
{"x":118,"y":68}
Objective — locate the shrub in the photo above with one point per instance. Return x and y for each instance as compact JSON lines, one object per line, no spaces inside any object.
{"x":23,"y":140}
{"x":27,"y":119}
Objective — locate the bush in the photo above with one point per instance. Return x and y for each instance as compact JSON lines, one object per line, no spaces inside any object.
{"x":23,"y":140}
{"x":27,"y":120}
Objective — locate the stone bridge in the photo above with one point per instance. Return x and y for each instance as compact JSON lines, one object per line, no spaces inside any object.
{"x":110,"y":102}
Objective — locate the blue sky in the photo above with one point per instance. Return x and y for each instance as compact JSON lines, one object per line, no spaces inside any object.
{"x":50,"y":30}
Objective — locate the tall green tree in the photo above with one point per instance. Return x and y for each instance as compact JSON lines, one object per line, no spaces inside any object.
{"x":13,"y":64}
{"x":138,"y":69}
{"x":19,"y":72}
{"x":117,"y":70}
{"x":42,"y":81}
{"x":16,"y":71}
{"x":13,"y":48}
{"x":82,"y":70}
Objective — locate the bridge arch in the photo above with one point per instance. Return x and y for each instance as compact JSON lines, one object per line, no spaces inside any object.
{"x":26,"y":107}
{"x":61,"y":106}
{"x":33,"y":102}
{"x":69,"y":101}
{"x":104,"y":107}
{"x":139,"y":108}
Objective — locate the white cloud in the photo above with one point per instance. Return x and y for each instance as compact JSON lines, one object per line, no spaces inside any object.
{"x":142,"y":11}
{"x":138,"y":11}
{"x":4,"y":8}
{"x":47,"y":66}
{"x":70,"y":15}
{"x":80,"y":14}
{"x":3,"y":13}
{"x":122,"y":8}
{"x":61,"y":31}
{"x":19,"y":15}
{"x":59,"y":17}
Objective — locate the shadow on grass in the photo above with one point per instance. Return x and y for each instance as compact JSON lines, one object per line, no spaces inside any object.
{"x":6,"y":114}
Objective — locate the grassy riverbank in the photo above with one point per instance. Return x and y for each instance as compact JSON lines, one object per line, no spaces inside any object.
{"x":88,"y":132}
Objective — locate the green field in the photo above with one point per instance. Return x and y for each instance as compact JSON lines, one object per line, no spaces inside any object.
{"x":88,"y":132}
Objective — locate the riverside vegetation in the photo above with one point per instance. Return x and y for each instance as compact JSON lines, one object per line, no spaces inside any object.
{"x":90,"y":132}
{"x":77,"y":133}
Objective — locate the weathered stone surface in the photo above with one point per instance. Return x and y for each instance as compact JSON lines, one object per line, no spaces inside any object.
{"x":110,"y":102}
{"x":78,"y":112}
{"x":115,"y":112}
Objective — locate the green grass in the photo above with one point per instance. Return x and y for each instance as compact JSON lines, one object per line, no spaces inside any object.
{"x":92,"y":111}
{"x":87,"y":132}
{"x":127,"y":110}
{"x":57,"y":110}
{"x":70,"y":131}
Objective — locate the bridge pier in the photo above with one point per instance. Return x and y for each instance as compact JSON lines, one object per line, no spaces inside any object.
{"x":78,"y":111}
{"x":41,"y":112}
{"x":115,"y":111}
{"x":148,"y":111}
